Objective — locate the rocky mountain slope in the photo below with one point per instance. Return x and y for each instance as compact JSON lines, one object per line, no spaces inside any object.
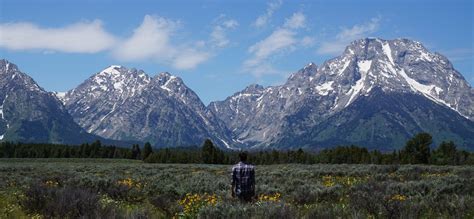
{"x":127,"y":104}
{"x":370,"y":72}
{"x":377,"y":94}
{"x":28,"y":113}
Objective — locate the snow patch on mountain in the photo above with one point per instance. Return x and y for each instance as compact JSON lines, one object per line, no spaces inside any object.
{"x":61,"y":96}
{"x":364,"y":67}
{"x":2,"y":115}
{"x":165,"y":86}
{"x":324,"y":88}
{"x":346,"y":64}
{"x":126,"y":104}
{"x":388,"y":52}
{"x":111,"y":70}
{"x":1,"y":112}
{"x":227,"y":145}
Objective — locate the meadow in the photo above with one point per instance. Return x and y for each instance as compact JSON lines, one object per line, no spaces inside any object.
{"x":115,"y":188}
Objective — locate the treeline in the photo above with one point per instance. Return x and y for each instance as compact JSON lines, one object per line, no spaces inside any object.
{"x":416,"y":151}
{"x":94,"y":150}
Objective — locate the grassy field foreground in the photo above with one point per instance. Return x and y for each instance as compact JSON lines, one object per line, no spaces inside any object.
{"x":101,"y":188}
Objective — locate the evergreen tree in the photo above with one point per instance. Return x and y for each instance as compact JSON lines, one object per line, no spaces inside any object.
{"x":135,"y":151}
{"x":446,"y":153}
{"x":211,"y":154}
{"x":147,"y":150}
{"x":417,"y":149}
{"x":207,"y":149}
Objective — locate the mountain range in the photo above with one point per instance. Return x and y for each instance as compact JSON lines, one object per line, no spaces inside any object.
{"x":377,"y":94}
{"x":127,"y":104}
{"x":30,"y":114}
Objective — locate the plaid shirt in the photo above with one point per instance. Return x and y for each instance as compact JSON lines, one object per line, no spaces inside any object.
{"x":243,"y":178}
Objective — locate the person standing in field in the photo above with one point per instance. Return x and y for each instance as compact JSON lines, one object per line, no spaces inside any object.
{"x":243,"y":179}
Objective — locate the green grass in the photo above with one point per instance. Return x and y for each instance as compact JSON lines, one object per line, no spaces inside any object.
{"x":132,"y":189}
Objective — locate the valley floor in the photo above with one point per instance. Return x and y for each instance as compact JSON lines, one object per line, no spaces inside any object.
{"x":103,"y":188}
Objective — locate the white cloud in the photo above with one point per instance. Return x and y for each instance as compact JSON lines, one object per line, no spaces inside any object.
{"x":190,"y":58}
{"x":152,"y":41}
{"x":81,"y":37}
{"x":297,"y":20}
{"x":347,"y":35}
{"x":218,"y":35}
{"x":280,"y":39}
{"x":230,"y":23}
{"x":359,"y":30}
{"x":283,"y":39}
{"x":263,"y":19}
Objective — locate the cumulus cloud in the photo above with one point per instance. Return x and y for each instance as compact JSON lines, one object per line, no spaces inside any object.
{"x":281,"y":40}
{"x":263,"y":19}
{"x":81,"y":37}
{"x":347,"y":35}
{"x":152,"y":40}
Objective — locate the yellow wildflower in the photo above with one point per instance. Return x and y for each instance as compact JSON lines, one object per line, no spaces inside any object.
{"x":192,"y":203}
{"x":398,"y":197}
{"x":269,"y":198}
{"x":51,"y":183}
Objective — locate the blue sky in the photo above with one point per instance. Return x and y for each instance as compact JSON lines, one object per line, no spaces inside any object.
{"x":217,"y":47}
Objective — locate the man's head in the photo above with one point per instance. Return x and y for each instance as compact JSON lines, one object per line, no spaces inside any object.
{"x":243,"y":156}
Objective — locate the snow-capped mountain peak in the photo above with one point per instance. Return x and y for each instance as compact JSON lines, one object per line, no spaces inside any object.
{"x":365,"y":68}
{"x":6,"y":66}
{"x":10,"y":71}
{"x":165,"y":78}
{"x":126,"y":104}
{"x":111,"y":70}
{"x":28,"y":113}
{"x":399,"y":65}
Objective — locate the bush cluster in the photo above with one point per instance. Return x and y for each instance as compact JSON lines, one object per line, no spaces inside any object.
{"x":120,"y":188}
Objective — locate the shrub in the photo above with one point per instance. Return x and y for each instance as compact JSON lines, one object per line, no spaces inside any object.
{"x":166,"y":203}
{"x":65,"y":202}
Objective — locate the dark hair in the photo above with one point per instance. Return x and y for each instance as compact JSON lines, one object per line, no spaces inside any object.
{"x":243,"y":156}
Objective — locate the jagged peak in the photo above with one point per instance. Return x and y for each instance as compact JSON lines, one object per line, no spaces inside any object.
{"x":7,"y":66}
{"x":14,"y":75}
{"x":164,"y":74}
{"x":379,"y":41}
{"x":166,"y":77}
{"x":119,"y":72}
{"x":114,"y":78}
{"x":307,"y":71}
{"x":113,"y":70}
{"x":310,"y":65}
{"x":253,"y":88}
{"x":169,"y":82}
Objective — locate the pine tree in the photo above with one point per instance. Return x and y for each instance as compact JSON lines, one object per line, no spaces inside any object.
{"x":417,"y":149}
{"x":211,"y":154}
{"x":147,"y":150}
{"x":446,"y":153}
{"x":135,"y":151}
{"x":207,"y":151}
